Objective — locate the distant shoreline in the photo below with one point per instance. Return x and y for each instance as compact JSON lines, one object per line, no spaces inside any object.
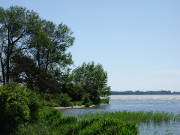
{"x":163,"y":92}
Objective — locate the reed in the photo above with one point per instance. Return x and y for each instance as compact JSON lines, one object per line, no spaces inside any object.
{"x":123,"y":122}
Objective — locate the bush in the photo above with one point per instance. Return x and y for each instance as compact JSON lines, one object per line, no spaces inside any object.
{"x":88,"y":104}
{"x":105,"y":100}
{"x":17,"y":105}
{"x":74,"y":103}
{"x":50,"y":100}
{"x":64,"y":100}
{"x":49,"y":115}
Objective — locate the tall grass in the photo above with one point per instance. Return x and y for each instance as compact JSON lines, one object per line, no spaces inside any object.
{"x":139,"y":117}
{"x":119,"y":123}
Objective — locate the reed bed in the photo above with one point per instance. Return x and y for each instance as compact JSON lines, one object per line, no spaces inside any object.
{"x":119,"y":123}
{"x":138,"y":117}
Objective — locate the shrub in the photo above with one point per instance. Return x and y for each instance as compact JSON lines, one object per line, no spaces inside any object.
{"x":48,"y":115}
{"x":74,"y":103}
{"x":105,"y":100}
{"x":53,"y":117}
{"x":65,"y":100}
{"x":88,"y":104}
{"x":17,"y":105}
{"x":34,"y":105}
{"x":50,"y":100}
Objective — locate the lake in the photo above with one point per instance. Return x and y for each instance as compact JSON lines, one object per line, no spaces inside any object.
{"x":160,"y":103}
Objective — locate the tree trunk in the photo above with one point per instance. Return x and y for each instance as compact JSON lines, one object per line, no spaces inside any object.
{"x":3,"y":73}
{"x":47,"y":60}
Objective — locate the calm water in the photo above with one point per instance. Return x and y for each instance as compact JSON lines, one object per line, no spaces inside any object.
{"x":161,"y":103}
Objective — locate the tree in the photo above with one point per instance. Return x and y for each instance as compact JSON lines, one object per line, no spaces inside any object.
{"x":26,"y":71}
{"x":50,"y":44}
{"x":93,"y":79}
{"x":33,"y":50}
{"x":16,"y":26}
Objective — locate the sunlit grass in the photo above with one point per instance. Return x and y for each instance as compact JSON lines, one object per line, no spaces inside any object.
{"x":123,"y":122}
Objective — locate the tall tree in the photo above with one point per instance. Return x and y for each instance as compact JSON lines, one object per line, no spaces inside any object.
{"x":92,"y":79}
{"x":16,"y":26}
{"x":25,"y":71}
{"x":49,"y":46}
{"x":23,"y":33}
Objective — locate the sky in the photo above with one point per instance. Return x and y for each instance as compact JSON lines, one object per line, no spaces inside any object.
{"x":136,"y":41}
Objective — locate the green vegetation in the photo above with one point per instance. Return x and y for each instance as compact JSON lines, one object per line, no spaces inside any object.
{"x":141,"y":117}
{"x":22,"y":113}
{"x":35,"y":74}
{"x":92,"y":79}
{"x":119,"y":123}
{"x":34,"y":52}
{"x":35,"y":71}
{"x":76,"y":103}
{"x":51,"y":122}
{"x":105,"y":100}
{"x":17,"y":105}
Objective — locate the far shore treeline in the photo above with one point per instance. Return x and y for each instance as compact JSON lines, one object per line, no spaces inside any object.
{"x":162,"y":92}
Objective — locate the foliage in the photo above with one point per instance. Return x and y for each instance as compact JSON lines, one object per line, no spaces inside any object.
{"x":74,"y":103}
{"x":120,"y":123}
{"x":65,"y":99}
{"x":92,"y":79}
{"x":88,"y":104}
{"x":33,"y":50}
{"x":51,"y":120}
{"x":105,"y":100}
{"x":49,"y":100}
{"x":48,"y":115}
{"x":55,"y":100}
{"x":17,"y":105}
{"x":85,"y":98}
{"x":26,"y":71}
{"x":16,"y":27}
{"x":75,"y":91}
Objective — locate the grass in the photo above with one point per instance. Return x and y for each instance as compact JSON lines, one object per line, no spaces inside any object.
{"x":140,"y":117}
{"x":105,"y":100}
{"x":52,"y":122}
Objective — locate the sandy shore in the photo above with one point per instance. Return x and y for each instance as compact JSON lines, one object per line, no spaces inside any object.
{"x":72,"y":107}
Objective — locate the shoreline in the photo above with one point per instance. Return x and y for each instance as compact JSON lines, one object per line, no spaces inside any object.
{"x":73,"y":107}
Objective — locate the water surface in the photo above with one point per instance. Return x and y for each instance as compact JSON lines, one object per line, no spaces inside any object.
{"x":160,"y":103}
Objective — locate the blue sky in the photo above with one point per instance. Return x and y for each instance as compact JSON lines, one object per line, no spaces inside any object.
{"x":136,"y":41}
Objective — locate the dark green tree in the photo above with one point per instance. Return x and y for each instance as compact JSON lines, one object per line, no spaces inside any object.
{"x":49,"y":46}
{"x":92,"y":79}
{"x":26,"y":71}
{"x":33,"y":50}
{"x":16,"y":26}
